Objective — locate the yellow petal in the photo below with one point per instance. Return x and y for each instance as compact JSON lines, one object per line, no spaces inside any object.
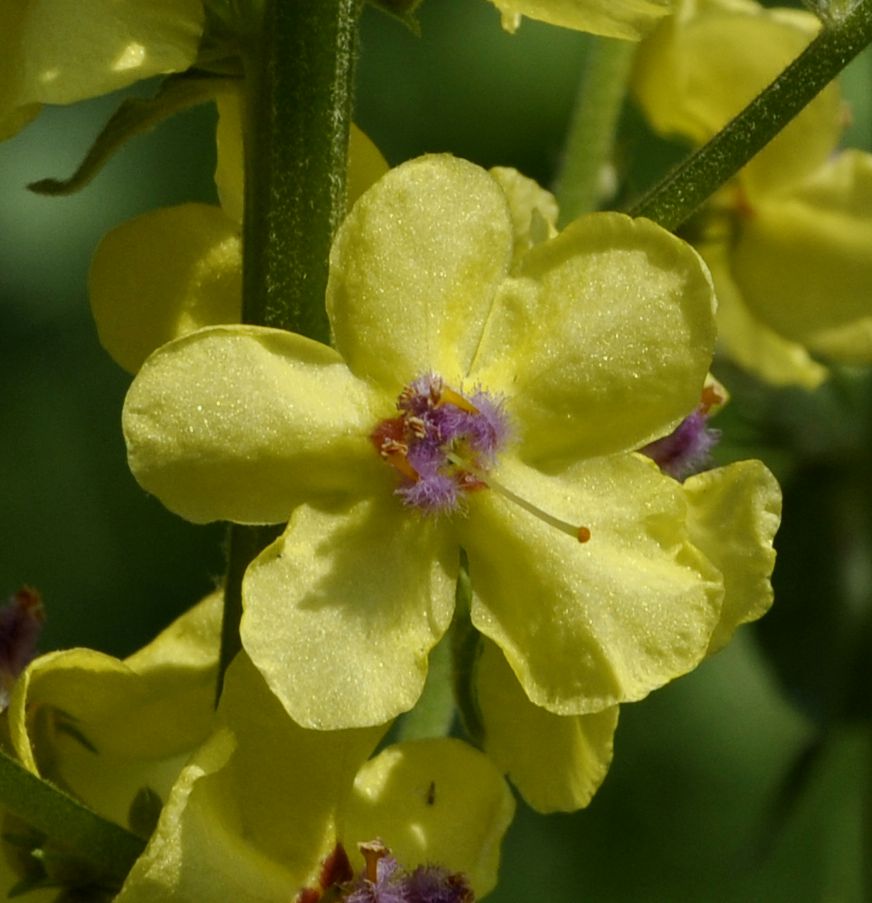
{"x":162,"y":275}
{"x":604,"y":342}
{"x":557,"y":762}
{"x":747,"y":340}
{"x":242,"y":422}
{"x":533,"y":210}
{"x":414,"y":269}
{"x":366,"y":165}
{"x":61,"y":51}
{"x":434,"y":802}
{"x":230,"y":161}
{"x":587,"y":626}
{"x":628,"y":19}
{"x":804,"y":260}
{"x":342,"y":611}
{"x":733,"y":514}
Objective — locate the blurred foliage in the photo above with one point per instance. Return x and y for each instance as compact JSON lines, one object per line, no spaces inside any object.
{"x":745,"y":781}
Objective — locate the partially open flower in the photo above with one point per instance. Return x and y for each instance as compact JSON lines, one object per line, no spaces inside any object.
{"x":789,"y":241}
{"x":62,"y":51}
{"x":628,"y":19}
{"x":21,"y":621}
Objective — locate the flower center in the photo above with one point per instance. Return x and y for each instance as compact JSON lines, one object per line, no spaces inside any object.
{"x":442,"y":444}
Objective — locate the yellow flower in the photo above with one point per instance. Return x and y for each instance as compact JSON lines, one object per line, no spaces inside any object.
{"x":628,"y":19}
{"x":264,"y":810}
{"x":168,"y":272}
{"x":789,"y":242}
{"x":543,"y":369}
{"x":61,"y":51}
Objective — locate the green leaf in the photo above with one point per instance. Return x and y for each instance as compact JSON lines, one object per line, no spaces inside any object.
{"x":107,"y":847}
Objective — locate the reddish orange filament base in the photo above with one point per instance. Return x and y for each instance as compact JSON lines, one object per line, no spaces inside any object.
{"x":372,"y":852}
{"x":583,"y":534}
{"x":710,"y":397}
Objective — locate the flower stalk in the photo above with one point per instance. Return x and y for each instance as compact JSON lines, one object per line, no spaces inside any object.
{"x":299,"y":68}
{"x":681,"y":192}
{"x":591,"y":136}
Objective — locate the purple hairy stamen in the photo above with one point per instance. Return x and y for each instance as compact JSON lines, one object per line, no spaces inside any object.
{"x":442,"y":443}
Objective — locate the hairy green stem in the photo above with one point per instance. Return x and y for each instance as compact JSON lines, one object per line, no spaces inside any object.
{"x":299,"y":71}
{"x":108,"y":847}
{"x":300,"y":78}
{"x":590,"y":139}
{"x":683,"y":190}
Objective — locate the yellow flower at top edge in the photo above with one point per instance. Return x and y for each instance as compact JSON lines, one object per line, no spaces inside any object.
{"x":629,"y":19}
{"x":62,"y":51}
{"x":789,"y":241}
{"x":482,"y":394}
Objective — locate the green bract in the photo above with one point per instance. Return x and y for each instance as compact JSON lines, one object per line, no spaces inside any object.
{"x":61,"y":51}
{"x":596,"y":341}
{"x":171,"y":271}
{"x":264,"y":803}
{"x":789,"y":243}
{"x":612,"y":18}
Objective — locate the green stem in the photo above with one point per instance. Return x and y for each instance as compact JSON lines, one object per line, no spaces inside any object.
{"x":591,"y":137}
{"x":682,"y":192}
{"x":243,"y":546}
{"x":299,"y":71}
{"x":108,"y":847}
{"x":433,"y":714}
{"x":300,"y":77}
{"x":466,"y":647}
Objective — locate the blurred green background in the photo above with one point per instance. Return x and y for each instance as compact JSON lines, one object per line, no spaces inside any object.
{"x":748,"y":780}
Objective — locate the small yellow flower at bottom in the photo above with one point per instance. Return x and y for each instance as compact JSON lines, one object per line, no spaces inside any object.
{"x":267,"y":811}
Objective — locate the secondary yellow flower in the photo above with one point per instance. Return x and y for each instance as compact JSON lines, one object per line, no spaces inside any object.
{"x":266,"y":811}
{"x":115,"y":734}
{"x":482,"y":394}
{"x":61,"y":51}
{"x":789,"y":242}
{"x":168,"y":272}
{"x":612,"y":18}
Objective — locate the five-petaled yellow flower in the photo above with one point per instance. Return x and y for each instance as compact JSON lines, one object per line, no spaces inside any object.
{"x":487,"y":390}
